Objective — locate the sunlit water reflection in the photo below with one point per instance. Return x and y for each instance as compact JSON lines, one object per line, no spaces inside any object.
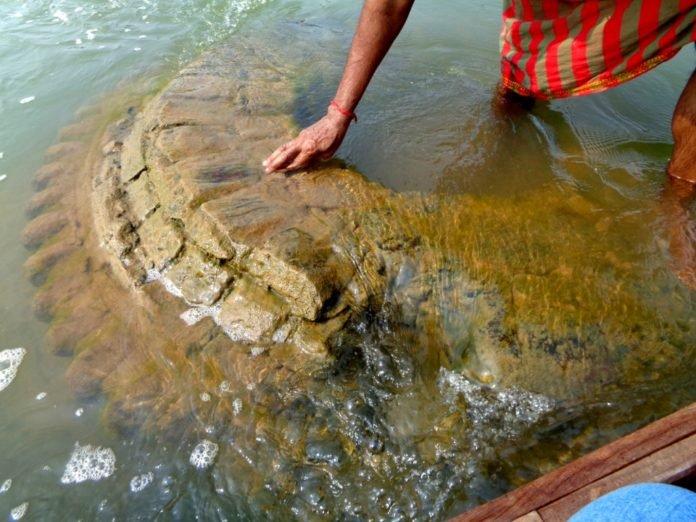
{"x":587,"y":168}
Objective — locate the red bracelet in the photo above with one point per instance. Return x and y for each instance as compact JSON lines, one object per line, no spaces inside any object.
{"x":343,"y":111}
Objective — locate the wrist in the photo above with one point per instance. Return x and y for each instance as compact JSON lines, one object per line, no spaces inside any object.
{"x":341,"y":113}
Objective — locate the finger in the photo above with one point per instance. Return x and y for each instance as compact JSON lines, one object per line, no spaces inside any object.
{"x":301,"y":161}
{"x":280,"y":150}
{"x":280,"y":163}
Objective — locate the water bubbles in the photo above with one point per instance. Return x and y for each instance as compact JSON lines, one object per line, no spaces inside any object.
{"x":237,"y":406}
{"x":9,"y":364}
{"x":203,"y":455}
{"x":205,"y":397}
{"x":5,"y":487}
{"x":79,"y":412}
{"x":89,"y":463}
{"x":41,"y":396}
{"x":225,"y":387}
{"x":140,"y":482}
{"x":27,"y":99}
{"x":18,"y":512}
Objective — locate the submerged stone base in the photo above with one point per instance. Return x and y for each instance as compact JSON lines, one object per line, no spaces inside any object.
{"x":166,"y":259}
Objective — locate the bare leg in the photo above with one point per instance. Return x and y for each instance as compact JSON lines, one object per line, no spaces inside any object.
{"x":681,"y":228}
{"x":509,"y":102}
{"x":683,"y":162}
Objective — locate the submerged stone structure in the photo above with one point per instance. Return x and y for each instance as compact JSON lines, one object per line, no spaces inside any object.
{"x":177,"y":196}
{"x":201,"y":295}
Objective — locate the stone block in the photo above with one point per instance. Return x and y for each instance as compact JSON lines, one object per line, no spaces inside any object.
{"x":178,"y":143}
{"x":200,"y":280}
{"x":142,"y":199}
{"x":160,"y":241}
{"x":251,"y":313}
{"x":313,"y":337}
{"x":132,"y":156}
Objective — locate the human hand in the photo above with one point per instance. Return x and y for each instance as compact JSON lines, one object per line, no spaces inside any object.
{"x":317,"y":142}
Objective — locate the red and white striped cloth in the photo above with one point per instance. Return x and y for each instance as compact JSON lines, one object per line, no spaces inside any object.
{"x":559,"y":48}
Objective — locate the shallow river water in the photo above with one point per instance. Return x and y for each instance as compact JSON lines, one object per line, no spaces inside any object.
{"x":578,"y":182}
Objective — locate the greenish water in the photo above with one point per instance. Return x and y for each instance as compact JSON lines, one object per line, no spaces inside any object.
{"x":425,"y":124}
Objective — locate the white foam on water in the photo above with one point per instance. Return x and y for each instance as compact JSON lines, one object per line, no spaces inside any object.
{"x":9,"y":364}
{"x":137,"y":49}
{"x":498,"y":413}
{"x":91,"y":34}
{"x":237,"y":406}
{"x":18,"y":512}
{"x":198,"y":313}
{"x":27,"y":99}
{"x":5,"y":487}
{"x":41,"y":396}
{"x":169,"y":286}
{"x":89,"y":463}
{"x":2,"y":155}
{"x":79,"y":412}
{"x":61,"y":16}
{"x":78,"y":41}
{"x":194,"y":314}
{"x":140,"y":482}
{"x":3,"y":177}
{"x":203,"y":455}
{"x":191,"y":316}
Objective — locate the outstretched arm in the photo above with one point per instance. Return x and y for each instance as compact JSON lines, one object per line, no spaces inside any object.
{"x":379,"y":25}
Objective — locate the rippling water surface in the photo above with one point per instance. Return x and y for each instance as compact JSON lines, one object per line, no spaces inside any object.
{"x":578,"y":182}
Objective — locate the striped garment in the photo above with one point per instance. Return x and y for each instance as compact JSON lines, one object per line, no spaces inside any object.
{"x":559,"y":48}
